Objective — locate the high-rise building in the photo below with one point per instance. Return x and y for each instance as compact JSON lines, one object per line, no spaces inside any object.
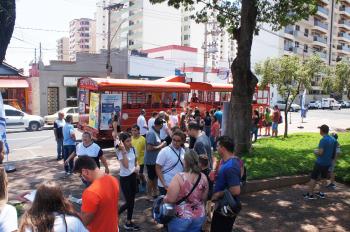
{"x":326,"y":34}
{"x":63,"y":49}
{"x":144,"y":25}
{"x":82,"y":37}
{"x":101,"y":17}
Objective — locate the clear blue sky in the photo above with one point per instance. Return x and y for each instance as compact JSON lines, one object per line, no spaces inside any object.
{"x":45,"y":14}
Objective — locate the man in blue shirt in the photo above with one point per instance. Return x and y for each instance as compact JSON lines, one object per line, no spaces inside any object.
{"x":229,"y":177}
{"x":326,"y":149}
{"x":68,"y":143}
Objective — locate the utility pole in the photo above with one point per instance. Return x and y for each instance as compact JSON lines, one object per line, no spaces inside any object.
{"x":111,"y":7}
{"x":205,"y":47}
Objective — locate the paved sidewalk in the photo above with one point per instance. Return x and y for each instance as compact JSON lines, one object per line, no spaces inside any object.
{"x":274,"y":210}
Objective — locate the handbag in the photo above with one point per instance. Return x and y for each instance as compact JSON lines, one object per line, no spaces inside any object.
{"x":228,"y":205}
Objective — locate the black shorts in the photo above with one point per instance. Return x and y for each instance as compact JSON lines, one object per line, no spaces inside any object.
{"x":151,"y":171}
{"x":319,"y":171}
{"x":142,"y":166}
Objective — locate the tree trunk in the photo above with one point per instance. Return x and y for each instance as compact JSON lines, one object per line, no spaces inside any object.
{"x":244,"y":81}
{"x":285,"y":124}
{"x":7,"y":24}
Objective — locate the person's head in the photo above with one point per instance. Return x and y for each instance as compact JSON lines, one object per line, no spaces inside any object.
{"x":154,"y":114}
{"x":203,"y":161}
{"x":178,"y":139}
{"x":86,"y":137}
{"x":324,"y":129}
{"x":225,"y":145}
{"x":158,"y":123}
{"x":86,"y":167}
{"x":48,"y":201}
{"x":60,"y":115}
{"x":267,"y":110}
{"x":193,"y":129}
{"x":69,"y":118}
{"x":143,"y":112}
{"x":207,"y":114}
{"x":194,"y":95}
{"x":173,"y":110}
{"x":126,"y":139}
{"x":191,"y":163}
{"x":219,"y":108}
{"x":335,"y":136}
{"x":275,"y":107}
{"x":161,"y":114}
{"x":135,"y":130}
{"x":256,"y":112}
{"x":116,"y":117}
{"x":3,"y":187}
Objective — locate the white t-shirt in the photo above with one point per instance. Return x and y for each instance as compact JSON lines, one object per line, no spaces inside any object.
{"x":8,"y":219}
{"x":94,"y":151}
{"x":174,"y":120}
{"x":141,"y":122}
{"x":167,"y":159}
{"x":132,"y":161}
{"x":151,"y":122}
{"x":73,"y":224}
{"x":163,"y":131}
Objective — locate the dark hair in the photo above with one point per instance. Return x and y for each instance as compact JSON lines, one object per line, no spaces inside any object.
{"x":154,"y":114}
{"x":207,"y":113}
{"x":124,"y":136}
{"x":324,"y":128}
{"x":116,"y":117}
{"x":219,"y":108}
{"x":85,"y":162}
{"x":69,"y":118}
{"x":48,"y":201}
{"x":158,"y":121}
{"x":179,"y":133}
{"x":136,"y":127}
{"x":193,"y":125}
{"x":203,"y":160}
{"x":226,"y":142}
{"x":87,"y":133}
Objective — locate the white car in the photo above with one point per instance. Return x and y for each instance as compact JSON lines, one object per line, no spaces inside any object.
{"x":344,"y":104}
{"x":16,"y":119}
{"x":330,"y":103}
{"x":314,"y":105}
{"x":282,"y":104}
{"x":74,"y":111}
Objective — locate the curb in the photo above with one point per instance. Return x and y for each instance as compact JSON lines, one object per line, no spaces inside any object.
{"x":273,"y":183}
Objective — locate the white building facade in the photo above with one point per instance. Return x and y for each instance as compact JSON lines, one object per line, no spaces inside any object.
{"x":63,"y":49}
{"x":101,"y":18}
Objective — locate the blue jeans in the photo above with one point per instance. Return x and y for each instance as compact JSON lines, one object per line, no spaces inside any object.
{"x":213,"y":143}
{"x":67,"y":151}
{"x":274,"y":126}
{"x":59,"y":148}
{"x":186,"y":225}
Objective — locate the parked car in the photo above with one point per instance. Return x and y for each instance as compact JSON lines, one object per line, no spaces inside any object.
{"x":344,"y":104}
{"x":315,"y":105}
{"x":282,"y":105}
{"x":330,"y":103}
{"x":17,"y":119}
{"x":50,"y":119}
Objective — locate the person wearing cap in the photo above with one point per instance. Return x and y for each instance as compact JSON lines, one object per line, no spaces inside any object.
{"x":324,"y":153}
{"x":58,"y":131}
{"x":153,"y":145}
{"x":142,"y":123}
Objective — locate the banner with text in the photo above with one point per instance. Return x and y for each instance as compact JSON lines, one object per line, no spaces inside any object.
{"x":94,"y":108}
{"x":111,"y":105}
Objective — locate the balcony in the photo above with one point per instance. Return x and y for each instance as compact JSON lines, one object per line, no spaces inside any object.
{"x":323,"y":11}
{"x":320,"y":24}
{"x":323,"y":55}
{"x":343,"y":48}
{"x":344,"y":9}
{"x":320,"y":39}
{"x":290,"y":30}
{"x":290,"y":48}
{"x":344,"y":35}
{"x":344,"y":23}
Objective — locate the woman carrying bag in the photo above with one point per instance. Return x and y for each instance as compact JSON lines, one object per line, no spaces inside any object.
{"x":189,"y":191}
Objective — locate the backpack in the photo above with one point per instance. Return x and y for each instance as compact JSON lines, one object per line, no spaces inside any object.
{"x":280,"y":120}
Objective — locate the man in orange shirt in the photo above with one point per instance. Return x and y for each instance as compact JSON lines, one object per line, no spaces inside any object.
{"x":99,"y":210}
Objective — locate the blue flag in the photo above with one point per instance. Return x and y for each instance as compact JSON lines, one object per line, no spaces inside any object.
{"x":3,"y":126}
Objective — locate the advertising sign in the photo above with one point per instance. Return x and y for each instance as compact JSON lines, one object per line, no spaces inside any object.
{"x":111,"y":105}
{"x":94,"y":108}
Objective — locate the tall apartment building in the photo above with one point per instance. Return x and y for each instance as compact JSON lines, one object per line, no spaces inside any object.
{"x":221,"y":48}
{"x":327,"y":34}
{"x":82,"y":37}
{"x":63,"y":49}
{"x":101,"y":18}
{"x":144,"y":25}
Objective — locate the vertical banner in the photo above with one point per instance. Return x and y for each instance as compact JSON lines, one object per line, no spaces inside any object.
{"x":111,"y":105}
{"x":82,"y":101}
{"x":94,"y":108}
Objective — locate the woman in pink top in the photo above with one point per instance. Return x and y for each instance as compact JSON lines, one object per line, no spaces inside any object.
{"x":190,"y":214}
{"x":214,"y":132}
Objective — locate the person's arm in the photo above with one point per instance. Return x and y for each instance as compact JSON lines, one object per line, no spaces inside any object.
{"x":150,"y":147}
{"x":321,"y":146}
{"x":234,"y":190}
{"x":86,"y":218}
{"x":232,"y":176}
{"x":123,"y":157}
{"x":173,"y":190}
{"x":105,"y":164}
{"x":72,"y":134}
{"x":55,"y":127}
{"x":70,"y":157}
{"x":160,"y":175}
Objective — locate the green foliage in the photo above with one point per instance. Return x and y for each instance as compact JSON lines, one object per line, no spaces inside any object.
{"x":342,"y":77}
{"x":272,"y":157}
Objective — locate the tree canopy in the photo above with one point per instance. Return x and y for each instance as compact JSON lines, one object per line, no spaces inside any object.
{"x":7,"y":24}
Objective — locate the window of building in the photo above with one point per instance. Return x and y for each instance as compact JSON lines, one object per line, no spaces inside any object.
{"x":297,"y":27}
{"x":296,"y":44}
{"x":186,"y":37}
{"x":306,"y":33}
{"x":306,"y":48}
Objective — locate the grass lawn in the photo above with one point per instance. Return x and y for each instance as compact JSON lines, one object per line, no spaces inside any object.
{"x":273,"y":157}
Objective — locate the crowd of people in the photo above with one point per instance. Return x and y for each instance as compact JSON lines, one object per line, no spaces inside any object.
{"x":264,"y":118}
{"x":155,"y":160}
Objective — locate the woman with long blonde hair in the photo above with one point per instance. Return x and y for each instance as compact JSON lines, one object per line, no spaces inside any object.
{"x":8,"y":213}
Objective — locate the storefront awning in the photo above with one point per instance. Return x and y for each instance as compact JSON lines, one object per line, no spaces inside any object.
{"x":11,"y":83}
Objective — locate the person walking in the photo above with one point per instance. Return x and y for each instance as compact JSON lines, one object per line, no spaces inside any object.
{"x":202,"y":143}
{"x":229,"y":177}
{"x":51,"y":211}
{"x":68,"y":143}
{"x":88,"y":148}
{"x":170,"y":161}
{"x":126,"y":154}
{"x":139,"y":143}
{"x":215,"y":132}
{"x":153,"y":145}
{"x":116,"y":125}
{"x":275,"y":120}
{"x":267,"y":122}
{"x":324,"y":153}
{"x":99,"y":210}
{"x":174,"y":118}
{"x":8,"y":213}
{"x":188,"y":190}
{"x":207,"y":124}
{"x":142,"y":123}
{"x":58,"y":131}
